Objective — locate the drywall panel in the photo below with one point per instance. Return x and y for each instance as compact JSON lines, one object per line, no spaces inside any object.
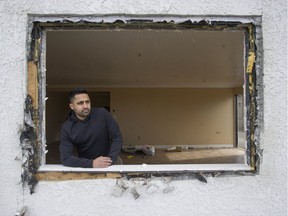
{"x":174,"y":116}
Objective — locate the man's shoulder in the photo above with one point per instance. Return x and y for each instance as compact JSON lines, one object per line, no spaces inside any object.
{"x":100,"y":113}
{"x":70,"y":118}
{"x":99,"y":110}
{"x":67,"y":123}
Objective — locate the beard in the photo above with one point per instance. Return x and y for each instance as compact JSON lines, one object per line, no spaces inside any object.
{"x":82,"y":113}
{"x":85,"y":112}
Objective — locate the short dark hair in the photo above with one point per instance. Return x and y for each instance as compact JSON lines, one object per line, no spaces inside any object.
{"x":75,"y":92}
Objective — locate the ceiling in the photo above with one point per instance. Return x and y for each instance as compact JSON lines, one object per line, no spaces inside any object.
{"x":144,"y":58}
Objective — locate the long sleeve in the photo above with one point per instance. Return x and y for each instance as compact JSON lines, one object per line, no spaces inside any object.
{"x":115,"y":136}
{"x":98,"y":135}
{"x":67,"y":156}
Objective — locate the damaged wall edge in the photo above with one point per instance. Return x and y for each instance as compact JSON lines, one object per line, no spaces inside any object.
{"x":36,"y":86}
{"x":111,"y":18}
{"x":30,"y":149}
{"x":30,"y":141}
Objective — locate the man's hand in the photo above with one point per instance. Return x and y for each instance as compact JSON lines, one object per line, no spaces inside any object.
{"x":102,"y":162}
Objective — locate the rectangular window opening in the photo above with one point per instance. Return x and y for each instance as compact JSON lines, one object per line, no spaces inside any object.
{"x":181,"y":88}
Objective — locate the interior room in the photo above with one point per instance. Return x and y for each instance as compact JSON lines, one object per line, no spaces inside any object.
{"x":179,"y":92}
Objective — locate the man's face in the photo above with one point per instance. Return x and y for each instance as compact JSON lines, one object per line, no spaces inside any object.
{"x":81,"y":105}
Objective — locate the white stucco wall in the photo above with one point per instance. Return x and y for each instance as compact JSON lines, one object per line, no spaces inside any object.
{"x":264,"y":194}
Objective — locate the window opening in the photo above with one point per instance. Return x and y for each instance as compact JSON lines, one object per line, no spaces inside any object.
{"x":36,"y":57}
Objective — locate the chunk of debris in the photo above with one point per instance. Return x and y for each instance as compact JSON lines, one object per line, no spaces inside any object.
{"x":134,"y":192}
{"x":21,"y":212}
{"x":151,"y":188}
{"x":200,"y":177}
{"x":177,"y":148}
{"x":174,"y":149}
{"x":168,"y":189}
{"x":117,"y":190}
{"x":146,"y":149}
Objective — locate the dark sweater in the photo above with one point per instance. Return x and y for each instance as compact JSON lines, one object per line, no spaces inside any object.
{"x":97,"y":135}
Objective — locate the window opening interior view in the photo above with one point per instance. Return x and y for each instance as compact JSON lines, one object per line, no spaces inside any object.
{"x":177,"y":95}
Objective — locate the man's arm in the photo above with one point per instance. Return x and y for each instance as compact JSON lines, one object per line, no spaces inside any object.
{"x":115,"y":136}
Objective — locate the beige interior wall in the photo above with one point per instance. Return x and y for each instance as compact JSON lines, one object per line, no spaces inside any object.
{"x":238,"y":90}
{"x":174,"y":116}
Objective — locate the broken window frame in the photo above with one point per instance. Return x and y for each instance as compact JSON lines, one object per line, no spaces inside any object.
{"x":37,"y":88}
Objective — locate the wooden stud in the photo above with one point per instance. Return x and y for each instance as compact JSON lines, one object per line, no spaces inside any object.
{"x":33,"y":83}
{"x":58,"y":176}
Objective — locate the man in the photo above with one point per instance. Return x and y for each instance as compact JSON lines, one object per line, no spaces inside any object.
{"x":94,"y":133}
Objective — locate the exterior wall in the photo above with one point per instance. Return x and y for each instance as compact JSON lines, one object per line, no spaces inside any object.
{"x":264,"y":194}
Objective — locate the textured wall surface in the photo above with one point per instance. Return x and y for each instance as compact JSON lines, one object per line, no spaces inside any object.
{"x":264,"y":194}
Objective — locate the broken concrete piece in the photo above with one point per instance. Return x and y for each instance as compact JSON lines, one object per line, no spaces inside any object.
{"x":134,"y":192}
{"x":117,"y":191}
{"x":151,"y":189}
{"x":168,"y":189}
